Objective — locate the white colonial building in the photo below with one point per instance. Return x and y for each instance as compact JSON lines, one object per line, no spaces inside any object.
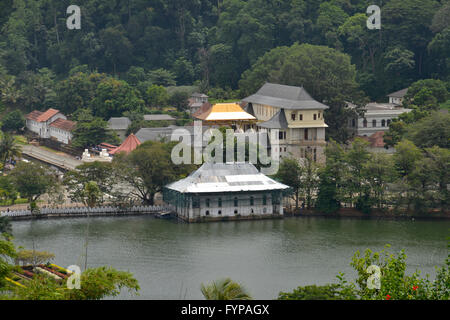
{"x":50,"y":124}
{"x":226,"y":191}
{"x":377,"y":117}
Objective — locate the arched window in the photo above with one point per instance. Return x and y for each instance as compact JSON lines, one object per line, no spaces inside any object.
{"x":388,"y":122}
{"x":220,"y":212}
{"x":383,"y":123}
{"x":374,"y":123}
{"x":207,"y":212}
{"x":235,"y":202}
{"x":365,"y":123}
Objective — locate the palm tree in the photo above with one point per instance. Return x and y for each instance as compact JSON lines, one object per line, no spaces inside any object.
{"x":8,"y":148}
{"x":225,"y":289}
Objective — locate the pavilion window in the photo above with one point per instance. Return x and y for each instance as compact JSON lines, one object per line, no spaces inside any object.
{"x":315,"y":116}
{"x":300,"y":117}
{"x":293,"y":116}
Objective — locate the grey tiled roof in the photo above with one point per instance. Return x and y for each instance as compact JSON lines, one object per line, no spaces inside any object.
{"x":158,"y":117}
{"x":287,"y":97}
{"x":398,"y":94}
{"x":121,"y":123}
{"x":278,"y":121}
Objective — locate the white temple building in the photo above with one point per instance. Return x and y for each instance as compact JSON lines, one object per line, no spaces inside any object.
{"x":222,"y":191}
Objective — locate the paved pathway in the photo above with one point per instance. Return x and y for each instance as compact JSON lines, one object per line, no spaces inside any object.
{"x":56,"y":159}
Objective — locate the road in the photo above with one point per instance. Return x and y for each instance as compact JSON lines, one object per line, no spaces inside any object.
{"x":56,"y":159}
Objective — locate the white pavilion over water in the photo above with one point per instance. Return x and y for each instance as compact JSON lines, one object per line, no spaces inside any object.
{"x":225,"y":191}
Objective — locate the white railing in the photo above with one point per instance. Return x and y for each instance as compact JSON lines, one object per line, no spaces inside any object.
{"x":87,"y":210}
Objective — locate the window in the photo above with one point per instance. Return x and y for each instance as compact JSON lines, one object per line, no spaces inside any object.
{"x":388,"y":122}
{"x":365,"y":123}
{"x":235,"y":202}
{"x":219,"y":203}
{"x":207,"y":212}
{"x":315,"y":116}
{"x":207,"y":203}
{"x":235,"y":212}
{"x":353,"y":123}
{"x":252,"y":201}
{"x":293,"y":116}
{"x":264,"y":200}
{"x":282,"y":135}
{"x":320,"y":115}
{"x":374,"y":123}
{"x":300,"y":117}
{"x":383,"y":123}
{"x":220,"y":212}
{"x":306,"y":134}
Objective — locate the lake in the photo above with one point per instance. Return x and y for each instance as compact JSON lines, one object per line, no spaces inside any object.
{"x":171,"y":260}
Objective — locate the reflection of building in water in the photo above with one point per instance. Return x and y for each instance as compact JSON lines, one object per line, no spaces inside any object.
{"x":226,"y":190}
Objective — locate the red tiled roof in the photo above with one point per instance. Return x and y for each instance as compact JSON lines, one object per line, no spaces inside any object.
{"x":47,"y":115}
{"x":66,"y":125}
{"x":34,"y":115}
{"x":376,"y":140}
{"x":130,"y":143}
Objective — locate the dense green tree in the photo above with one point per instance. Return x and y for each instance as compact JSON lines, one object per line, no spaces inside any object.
{"x":179,"y":100}
{"x":426,"y":94}
{"x":157,"y":96}
{"x":100,"y":172}
{"x":32,"y":180}
{"x":148,"y":169}
{"x":113,"y":97}
{"x":290,"y":173}
{"x":430,"y":131}
{"x":8,"y":148}
{"x":13,"y":121}
{"x":91,"y":130}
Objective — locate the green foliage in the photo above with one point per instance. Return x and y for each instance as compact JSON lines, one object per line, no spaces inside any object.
{"x":156,"y":97}
{"x":32,"y":180}
{"x":100,"y":172}
{"x":430,"y":131}
{"x":91,"y":130}
{"x":13,"y":121}
{"x":27,"y":257}
{"x":313,"y":292}
{"x":8,"y":148}
{"x":427,"y":94}
{"x":290,"y":173}
{"x":224,"y":289}
{"x":148,"y":169}
{"x":395,"y":283}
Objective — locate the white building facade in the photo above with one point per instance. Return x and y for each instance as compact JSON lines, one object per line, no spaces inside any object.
{"x":50,"y":124}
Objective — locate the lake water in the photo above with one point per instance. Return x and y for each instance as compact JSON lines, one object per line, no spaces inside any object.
{"x":171,"y":260}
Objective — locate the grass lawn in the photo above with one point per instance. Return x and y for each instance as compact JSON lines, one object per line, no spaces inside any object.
{"x":21,"y":140}
{"x":9,"y":202}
